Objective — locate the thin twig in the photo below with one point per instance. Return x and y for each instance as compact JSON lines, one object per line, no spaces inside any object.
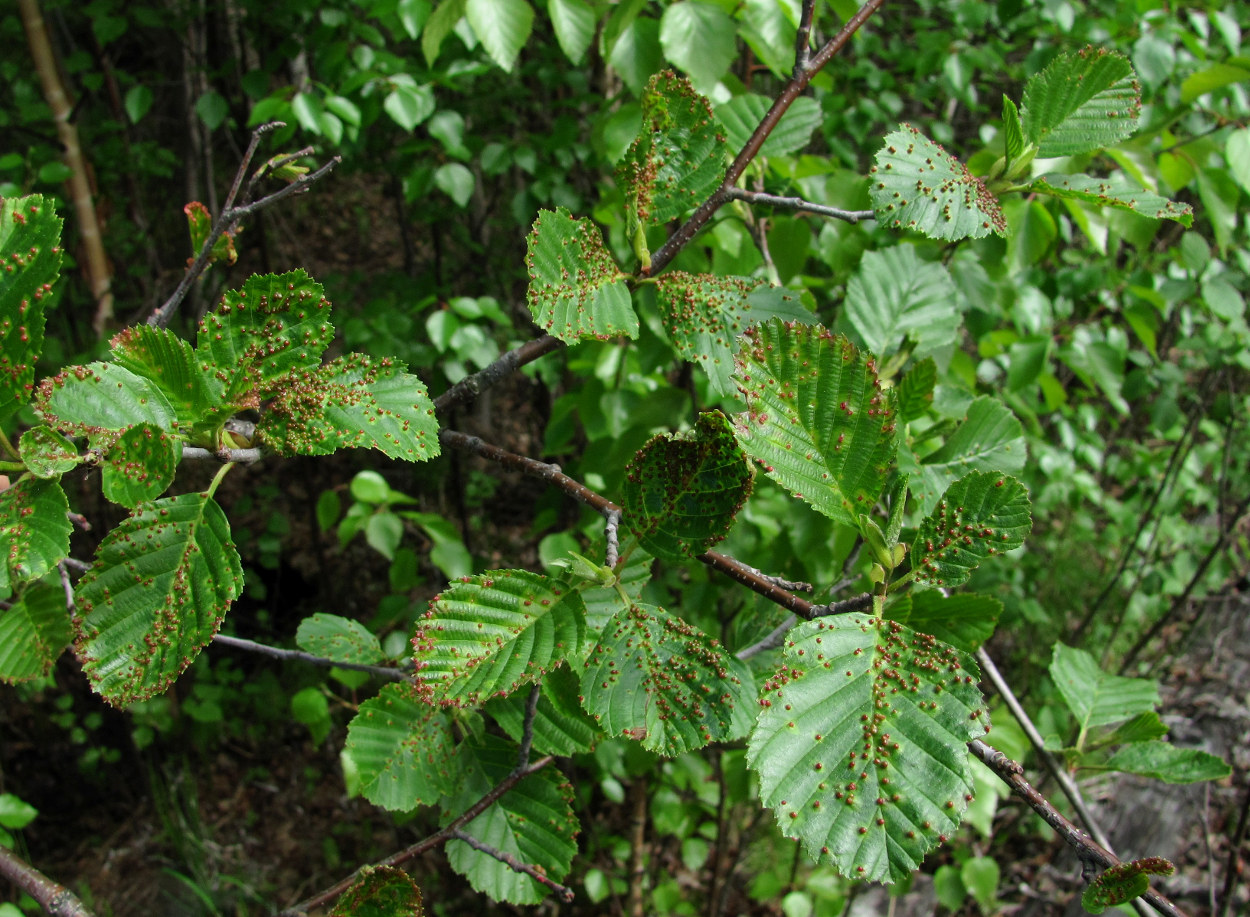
{"x":758,"y":583}
{"x":1231,"y":871}
{"x":55,"y":899}
{"x":470,"y":386}
{"x":238,"y":456}
{"x":63,"y":569}
{"x":1087,"y":850}
{"x":514,"y":864}
{"x":612,"y":535}
{"x":803,"y":39}
{"x":527,"y":729}
{"x":797,"y":203}
{"x":251,"y":646}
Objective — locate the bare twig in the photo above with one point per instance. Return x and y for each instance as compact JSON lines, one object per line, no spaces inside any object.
{"x":516,"y":865}
{"x":470,"y":386}
{"x":63,"y":569}
{"x":758,"y":583}
{"x":1087,"y":850}
{"x":1231,"y":871}
{"x":803,"y":39}
{"x":238,"y":456}
{"x":55,"y":899}
{"x":251,"y":646}
{"x":527,"y":729}
{"x":612,"y":535}
{"x":797,"y":203}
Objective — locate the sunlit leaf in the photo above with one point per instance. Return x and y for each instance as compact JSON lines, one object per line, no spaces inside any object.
{"x":699,"y":38}
{"x":895,"y":295}
{"x":502,"y":26}
{"x":741,"y":115}
{"x":980,"y":515}
{"x":1083,"y":101}
{"x":338,"y":638}
{"x":1113,"y":192}
{"x":964,"y":620}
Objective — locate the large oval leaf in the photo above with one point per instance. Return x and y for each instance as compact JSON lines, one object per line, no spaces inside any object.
{"x":402,"y":749}
{"x":1083,"y":101}
{"x":980,"y":515}
{"x":861,"y":749}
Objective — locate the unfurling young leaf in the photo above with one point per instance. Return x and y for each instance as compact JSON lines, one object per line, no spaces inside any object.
{"x":916,"y":184}
{"x":682,"y":492}
{"x":30,"y":237}
{"x":980,"y":515}
{"x":1083,"y":101}
{"x":200,"y":223}
{"x":861,"y":747}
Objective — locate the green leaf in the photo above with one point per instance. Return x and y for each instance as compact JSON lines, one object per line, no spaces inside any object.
{"x":34,"y":530}
{"x":981,"y":514}
{"x":380,"y":891}
{"x":965,"y":620}
{"x":574,"y":25}
{"x":1162,"y":761}
{"x":533,"y":822}
{"x":490,"y":634}
{"x":15,"y":813}
{"x":340,"y":639}
{"x":990,"y":438}
{"x":212,"y":108}
{"x":741,"y":115}
{"x":169,"y":364}
{"x":456,"y":181}
{"x":683,"y":491}
{"x":34,"y":631}
{"x":1237,"y":155}
{"x":407,"y":103}
{"x":138,"y":102}
{"x":704,"y":314}
{"x":861,"y":748}
{"x":895,"y":295}
{"x":817,"y":419}
{"x":140,"y":465}
{"x":576,"y":290}
{"x":1141,"y":728}
{"x":502,"y":26}
{"x":437,"y":28}
{"x":30,"y":236}
{"x":1121,"y":884}
{"x":353,"y":403}
{"x":678,"y":157}
{"x":660,"y":681}
{"x":102,"y":398}
{"x":160,"y":586}
{"x":1094,"y":697}
{"x":1083,"y":101}
{"x":603,"y":602}
{"x":916,"y":184}
{"x":1112,"y":192}
{"x":1013,"y":132}
{"x":561,"y":727}
{"x":402,"y":748}
{"x":700,"y":38}
{"x":46,"y":453}
{"x":200,"y":222}
{"x":1210,"y":78}
{"x":915,"y":390}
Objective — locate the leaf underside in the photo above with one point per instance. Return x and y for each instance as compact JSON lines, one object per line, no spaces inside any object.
{"x":861,"y":747}
{"x":1095,"y":697}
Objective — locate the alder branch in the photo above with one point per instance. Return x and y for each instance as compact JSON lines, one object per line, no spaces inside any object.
{"x":238,"y":456}
{"x":472,"y":386}
{"x":1088,"y":851}
{"x":55,"y":899}
{"x":798,"y":204}
{"x":230,"y":217}
{"x":515,"y":865}
{"x":238,"y":643}
{"x":803,"y":39}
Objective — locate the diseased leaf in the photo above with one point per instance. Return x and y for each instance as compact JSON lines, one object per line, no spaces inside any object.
{"x":34,"y":630}
{"x":658,"y":680}
{"x":561,"y":726}
{"x":1095,"y":697}
{"x":402,"y":748}
{"x":895,"y":295}
{"x":576,"y":290}
{"x":168,"y":363}
{"x":160,"y":586}
{"x":1083,"y":101}
{"x":682,"y":492}
{"x":817,"y":419}
{"x":916,"y":184}
{"x":490,"y":634}
{"x":1163,"y":761}
{"x":861,"y":747}
{"x":964,"y":620}
{"x":338,"y":638}
{"x":102,"y":398}
{"x":533,"y":822}
{"x":704,"y":314}
{"x":140,"y":465}
{"x":602,"y":602}
{"x":1113,"y":192}
{"x":1121,"y":884}
{"x":380,"y":891}
{"x":980,"y":515}
{"x":46,"y":453}
{"x":34,"y":530}
{"x":30,"y":238}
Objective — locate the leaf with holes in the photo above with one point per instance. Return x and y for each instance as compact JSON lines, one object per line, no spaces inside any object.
{"x":490,"y":634}
{"x":1121,"y":884}
{"x":1095,"y":697}
{"x":980,"y":515}
{"x":46,"y":453}
{"x":989,"y":438}
{"x":817,"y":419}
{"x":1112,"y":192}
{"x":34,"y":630}
{"x":34,"y":530}
{"x":380,"y":891}
{"x":704,"y":314}
{"x":1083,"y":101}
{"x":160,"y":586}
{"x":352,"y":403}
{"x":102,"y":398}
{"x":402,"y":749}
{"x":658,"y":680}
{"x":140,"y":465}
{"x":533,"y":822}
{"x":677,"y":159}
{"x":965,"y":620}
{"x":340,"y":639}
{"x":916,"y":184}
{"x":683,"y":491}
{"x":861,"y":749}
{"x":576,"y":290}
{"x":561,"y":726}
{"x":895,"y":294}
{"x":30,"y":262}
